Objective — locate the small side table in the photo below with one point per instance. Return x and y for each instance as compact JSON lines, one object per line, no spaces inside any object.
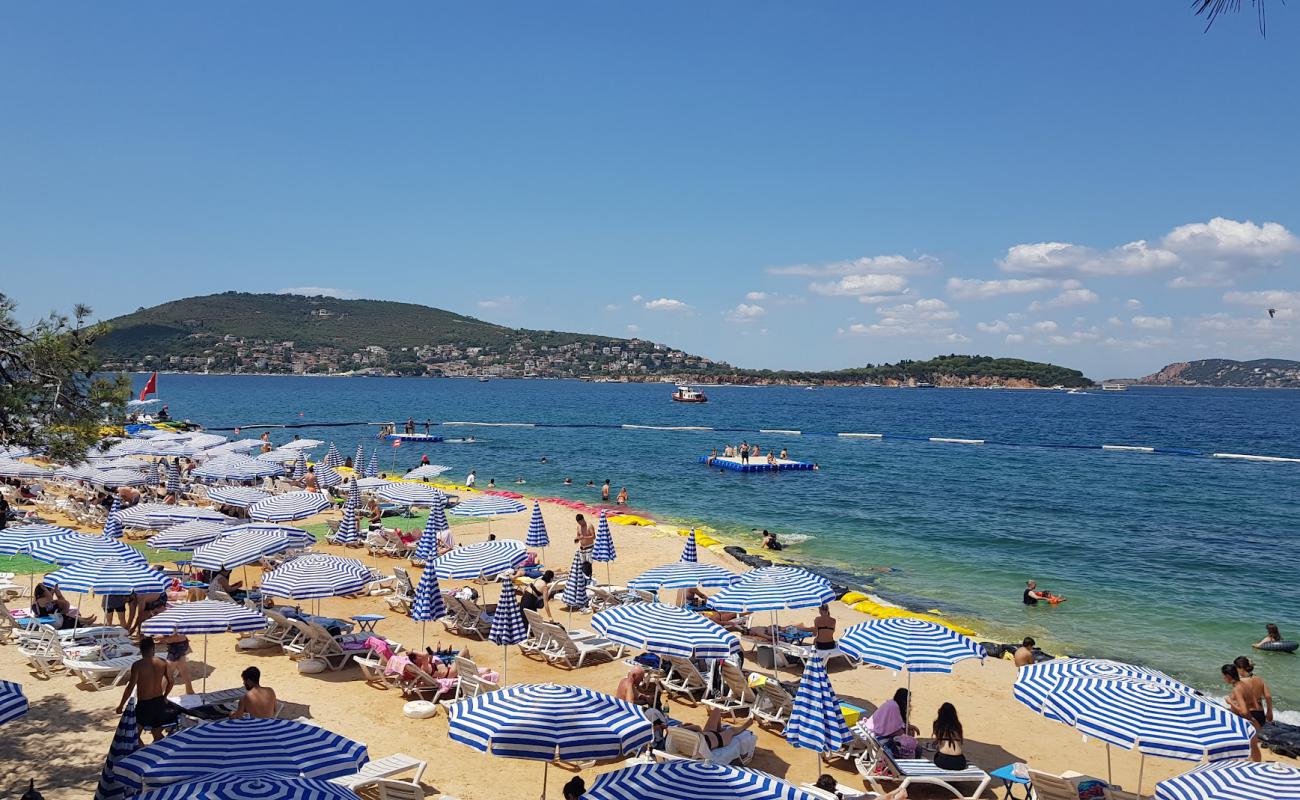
{"x":1010,"y":781}
{"x":366,"y":622}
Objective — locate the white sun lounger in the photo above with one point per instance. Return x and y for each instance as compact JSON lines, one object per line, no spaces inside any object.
{"x":384,"y":769}
{"x":876,"y":764}
{"x":101,"y":675}
{"x":684,"y":743}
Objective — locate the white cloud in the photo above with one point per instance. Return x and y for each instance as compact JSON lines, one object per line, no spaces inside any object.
{"x":774,"y":298}
{"x":873,"y":285}
{"x":505,"y":301}
{"x":996,"y":326}
{"x":613,"y":307}
{"x":1015,"y":338}
{"x":756,"y":297}
{"x":1228,"y":240}
{"x":636,"y":298}
{"x":320,"y":291}
{"x":956,"y":338}
{"x":1133,"y":303}
{"x":1266,"y":298}
{"x":1116,"y":321}
{"x":745,"y":312}
{"x":976,"y":289}
{"x":898,"y":265}
{"x":633,"y":328}
{"x":1046,"y":326}
{"x":1152,"y":323}
{"x":923,"y":318}
{"x":1058,"y":258}
{"x":1070,"y":297}
{"x":666,"y":304}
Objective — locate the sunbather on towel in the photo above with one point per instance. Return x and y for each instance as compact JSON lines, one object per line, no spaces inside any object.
{"x":716,"y":735}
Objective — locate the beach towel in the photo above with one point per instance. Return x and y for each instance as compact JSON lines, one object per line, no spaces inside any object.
{"x":380,"y":646}
{"x":397,"y":664}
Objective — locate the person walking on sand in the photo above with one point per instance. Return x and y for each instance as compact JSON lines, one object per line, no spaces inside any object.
{"x":1259,"y":700}
{"x":586,"y":538}
{"x":151,"y":681}
{"x":258,"y":701}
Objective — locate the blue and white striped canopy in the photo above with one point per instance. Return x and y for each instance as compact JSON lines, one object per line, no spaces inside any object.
{"x":372,"y":469}
{"x":109,"y":576}
{"x":13,"y":468}
{"x":242,"y":745}
{"x":239,"y":549}
{"x":77,"y":547}
{"x":692,"y":780}
{"x":204,"y":617}
{"x":427,"y":548}
{"x":188,"y":535}
{"x":237,"y":468}
{"x":349,"y":532}
{"x":113,"y":527}
{"x":359,"y":462}
{"x":299,"y":466}
{"x":428,"y":604}
{"x":603,"y":548}
{"x":665,"y":630}
{"x":508,"y":625}
{"x":14,"y":451}
{"x":480,"y":560}
{"x":289,"y":506}
{"x":683,"y":575}
{"x":545,"y":722}
{"x":173,"y":478}
{"x":537,"y":536}
{"x":126,"y":740}
{"x":332,"y":458}
{"x":782,"y":573}
{"x":575,"y":585}
{"x":774,"y":592}
{"x":915,"y":645}
{"x":113,"y":478}
{"x":317,"y":575}
{"x":326,"y":477}
{"x":1036,"y":682}
{"x":370,"y":484}
{"x":85,"y":472}
{"x":298,"y":536}
{"x":486,"y":505}
{"x":689,"y":554}
{"x":427,"y":471}
{"x":161,"y":515}
{"x":13,"y":704}
{"x":282,"y":457}
{"x":1233,"y":780}
{"x":151,"y":474}
{"x":21,"y":537}
{"x":252,"y":786}
{"x":1155,"y":719}
{"x":302,"y":444}
{"x":411,"y":494}
{"x":816,"y":722}
{"x":236,"y":496}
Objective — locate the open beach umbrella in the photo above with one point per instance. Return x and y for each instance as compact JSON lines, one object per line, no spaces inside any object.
{"x":236,"y":496}
{"x":252,"y":786}
{"x":575,"y":585}
{"x":299,"y":466}
{"x":14,"y":451}
{"x":410,"y":494}
{"x":237,"y":468}
{"x":242,"y":745}
{"x":537,"y":536}
{"x":692,"y":780}
{"x":480,"y":560}
{"x":683,"y":575}
{"x":665,"y":630}
{"x":372,"y":468}
{"x":911,"y":645}
{"x":774,"y":591}
{"x":298,"y":536}
{"x":427,"y":548}
{"x":547,"y":722}
{"x":316,"y":575}
{"x":161,"y":515}
{"x":281,"y":457}
{"x":111,"y":576}
{"x":188,"y":535}
{"x":113,"y":527}
{"x":508,"y":626}
{"x":302,"y":444}
{"x":21,"y":537}
{"x":332,"y":458}
{"x":816,"y":722}
{"x":426,"y":471}
{"x":13,"y":468}
{"x":349,"y":533}
{"x":239,"y":549}
{"x":126,"y":740}
{"x":288,"y":506}
{"x":113,"y":478}
{"x":370,"y":484}
{"x":689,"y":554}
{"x":603,"y":548}
{"x":77,"y":547}
{"x":13,"y":704}
{"x":427,"y":604}
{"x":487,"y":505}
{"x":204,"y":617}
{"x":1233,"y":780}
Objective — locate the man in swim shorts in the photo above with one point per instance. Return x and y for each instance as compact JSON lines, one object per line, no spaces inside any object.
{"x":151,"y":680}
{"x":1025,"y":652}
{"x":258,"y":701}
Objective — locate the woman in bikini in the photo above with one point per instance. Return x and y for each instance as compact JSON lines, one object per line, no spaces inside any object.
{"x":715,"y":735}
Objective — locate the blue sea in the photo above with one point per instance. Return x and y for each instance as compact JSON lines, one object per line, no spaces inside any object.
{"x":1174,"y":561}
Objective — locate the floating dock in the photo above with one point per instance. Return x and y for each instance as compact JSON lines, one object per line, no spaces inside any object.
{"x":412,"y":437}
{"x":756,"y":465}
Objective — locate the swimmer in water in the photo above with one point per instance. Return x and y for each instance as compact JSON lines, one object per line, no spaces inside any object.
{"x":1033,"y":595}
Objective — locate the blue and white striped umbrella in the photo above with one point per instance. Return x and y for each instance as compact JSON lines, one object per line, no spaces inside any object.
{"x":113,"y":527}
{"x":288,"y":506}
{"x":317,"y":575}
{"x":109,"y":576}
{"x":13,"y":468}
{"x":915,"y":645}
{"x":298,"y":536}
{"x":236,"y":496}
{"x":546,"y":722}
{"x":188,"y":535}
{"x":411,"y":494}
{"x":1233,"y":780}
{"x":427,"y":471}
{"x":480,"y":560}
{"x":487,"y":505}
{"x":427,"y":548}
{"x":537,"y":536}
{"x":14,"y":451}
{"x":349,"y":532}
{"x":161,"y":515}
{"x":77,"y":547}
{"x":126,"y":740}
{"x":332,"y":458}
{"x":370,"y":484}
{"x":173,"y":478}
{"x":242,"y":745}
{"x":428,"y":604}
{"x":603,"y":549}
{"x":203,"y":617}
{"x":816,"y":722}
{"x":113,"y":478}
{"x":151,"y":474}
{"x":252,"y":786}
{"x":683,"y":575}
{"x":508,"y":626}
{"x":665,"y":630}
{"x":326,"y":477}
{"x":359,"y":463}
{"x":299,"y":467}
{"x":1153,"y":718}
{"x":774,"y":593}
{"x":782,"y":573}
{"x":240,"y":549}
{"x":21,"y":537}
{"x":372,"y":469}
{"x":354,"y":491}
{"x":1036,"y":682}
{"x":575,"y":585}
{"x":85,"y":473}
{"x":282,"y":458}
{"x":692,"y":780}
{"x":13,"y":704}
{"x":237,"y":468}
{"x":689,"y":554}
{"x":302,"y":444}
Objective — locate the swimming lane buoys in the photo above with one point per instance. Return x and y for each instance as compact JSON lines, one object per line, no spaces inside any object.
{"x":1280,"y":647}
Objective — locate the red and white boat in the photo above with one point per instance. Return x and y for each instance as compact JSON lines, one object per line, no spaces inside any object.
{"x":686,"y":394}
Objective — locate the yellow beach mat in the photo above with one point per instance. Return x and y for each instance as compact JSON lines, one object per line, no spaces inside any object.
{"x":702,"y":539}
{"x":630,"y":519}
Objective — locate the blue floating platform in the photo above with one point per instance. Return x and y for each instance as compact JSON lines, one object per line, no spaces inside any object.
{"x":412,"y":437}
{"x":757,"y":465}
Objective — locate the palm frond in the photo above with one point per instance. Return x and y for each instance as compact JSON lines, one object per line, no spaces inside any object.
{"x":1213,"y":8}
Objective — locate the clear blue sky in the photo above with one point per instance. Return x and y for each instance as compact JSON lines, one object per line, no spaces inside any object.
{"x":774,"y":184}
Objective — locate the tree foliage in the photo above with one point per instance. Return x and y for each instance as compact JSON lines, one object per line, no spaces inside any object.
{"x":50,"y":395}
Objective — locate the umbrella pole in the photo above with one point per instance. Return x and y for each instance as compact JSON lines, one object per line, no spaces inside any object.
{"x":607,"y":579}
{"x":204,"y":690}
{"x":422,"y":626}
{"x":505,"y":664}
{"x":546,"y":766}
{"x":775,"y":676}
{"x":907,"y":718}
{"x":1110,"y":776}
{"x":1142,"y":762}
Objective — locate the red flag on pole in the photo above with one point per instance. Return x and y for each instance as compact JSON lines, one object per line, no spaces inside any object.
{"x":150,"y":387}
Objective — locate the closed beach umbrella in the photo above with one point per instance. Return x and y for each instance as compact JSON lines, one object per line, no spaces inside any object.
{"x":242,"y":745}
{"x":537,"y":536}
{"x":332,"y":458}
{"x":326,"y":477}
{"x":354,"y":491}
{"x":288,"y":506}
{"x":109,"y":576}
{"x":299,"y":466}
{"x":314,"y":576}
{"x":427,"y":548}
{"x":603,"y":548}
{"x":508,"y":626}
{"x":252,"y":786}
{"x":21,"y":537}
{"x":428,"y":604}
{"x":13,"y":704}
{"x":13,"y":468}
{"x":547,"y":722}
{"x":113,"y":527}
{"x":188,"y":535}
{"x":372,"y":469}
{"x":152,"y":478}
{"x":410,"y":494}
{"x":236,"y":496}
{"x":816,"y":722}
{"x":480,"y":560}
{"x":359,"y":462}
{"x":1233,"y":780}
{"x":349,"y":532}
{"x":692,"y":780}
{"x":665,"y":630}
{"x":683,"y":575}
{"x":427,"y":471}
{"x":77,"y":547}
{"x":689,"y":554}
{"x":173,"y":478}
{"x":204,"y":617}
{"x":240,"y":549}
{"x":237,"y":468}
{"x":575,"y":585}
{"x":126,"y":740}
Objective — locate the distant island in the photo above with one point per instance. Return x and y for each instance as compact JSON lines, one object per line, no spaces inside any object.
{"x":1262,"y":373}
{"x":236,"y":332}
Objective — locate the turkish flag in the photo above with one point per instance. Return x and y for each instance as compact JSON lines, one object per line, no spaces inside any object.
{"x":150,"y":387}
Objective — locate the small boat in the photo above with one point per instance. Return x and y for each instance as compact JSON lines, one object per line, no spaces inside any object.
{"x":1076,"y":391}
{"x":1114,"y":387}
{"x":686,"y":394}
{"x":484,"y":379}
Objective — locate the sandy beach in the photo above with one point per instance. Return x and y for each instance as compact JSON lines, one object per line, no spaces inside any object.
{"x":63,"y":740}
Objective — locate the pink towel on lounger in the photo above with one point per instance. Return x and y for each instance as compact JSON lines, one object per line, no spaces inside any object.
{"x":396,"y":665}
{"x":380,"y":646}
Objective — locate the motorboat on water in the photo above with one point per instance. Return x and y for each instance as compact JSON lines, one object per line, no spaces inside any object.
{"x":1114,"y":387}
{"x":686,"y":394}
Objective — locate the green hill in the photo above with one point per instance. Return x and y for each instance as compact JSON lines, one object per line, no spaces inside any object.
{"x":1261,"y":373}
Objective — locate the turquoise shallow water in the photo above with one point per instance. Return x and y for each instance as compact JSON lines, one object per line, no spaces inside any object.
{"x":1169,"y":560}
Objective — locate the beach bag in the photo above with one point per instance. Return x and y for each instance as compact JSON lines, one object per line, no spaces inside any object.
{"x":1092,"y":789}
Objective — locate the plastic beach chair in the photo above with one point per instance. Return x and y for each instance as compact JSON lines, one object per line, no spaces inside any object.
{"x":876,"y":764}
